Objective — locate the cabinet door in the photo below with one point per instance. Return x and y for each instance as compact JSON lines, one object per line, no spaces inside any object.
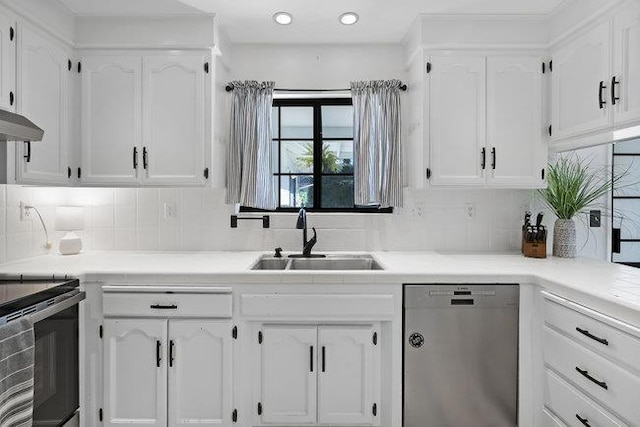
{"x":7,"y":60}
{"x":289,"y":364}
{"x":516,"y":151}
{"x":199,"y":373}
{"x":174,"y":119}
{"x":578,"y":71}
{"x":626,"y":52}
{"x":135,"y":378}
{"x":348,"y":375}
{"x":44,"y":99}
{"x":111,"y":119}
{"x":457,"y":120}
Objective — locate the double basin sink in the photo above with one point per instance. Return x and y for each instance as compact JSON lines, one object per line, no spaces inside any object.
{"x":330,"y":262}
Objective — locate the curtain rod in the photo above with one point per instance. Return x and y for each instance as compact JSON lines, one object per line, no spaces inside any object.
{"x":229,"y":88}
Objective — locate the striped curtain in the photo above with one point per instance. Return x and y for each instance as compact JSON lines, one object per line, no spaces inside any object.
{"x":376,"y":143}
{"x":249,"y":177}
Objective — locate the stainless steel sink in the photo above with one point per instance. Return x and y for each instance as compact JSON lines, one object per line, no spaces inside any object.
{"x":331,"y":262}
{"x":270,"y":263}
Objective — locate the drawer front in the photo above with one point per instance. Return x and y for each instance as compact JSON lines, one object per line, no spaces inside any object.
{"x":166,"y":305}
{"x":595,"y":334}
{"x":616,"y":388}
{"x":572,"y":406}
{"x":317,"y":305}
{"x":549,"y":420}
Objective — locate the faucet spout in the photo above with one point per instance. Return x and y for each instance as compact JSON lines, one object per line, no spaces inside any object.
{"x":301,"y":224}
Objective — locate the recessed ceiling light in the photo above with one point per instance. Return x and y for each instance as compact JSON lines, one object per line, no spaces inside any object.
{"x":282,"y":18}
{"x":349,"y":18}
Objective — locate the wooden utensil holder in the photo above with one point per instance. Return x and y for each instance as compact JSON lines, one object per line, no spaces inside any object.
{"x":536,"y":249}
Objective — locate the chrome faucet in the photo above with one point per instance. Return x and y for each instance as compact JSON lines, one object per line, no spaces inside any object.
{"x":301,"y":224}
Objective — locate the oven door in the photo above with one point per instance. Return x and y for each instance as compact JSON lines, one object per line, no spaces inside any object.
{"x":56,"y":373}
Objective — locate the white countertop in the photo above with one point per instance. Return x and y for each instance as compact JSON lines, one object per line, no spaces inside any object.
{"x":607,"y":287}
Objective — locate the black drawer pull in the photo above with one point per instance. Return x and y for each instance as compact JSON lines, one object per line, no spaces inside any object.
{"x":593,"y":337}
{"x":483,"y":156}
{"x":171,"y":346}
{"x":311,"y":359}
{"x":584,"y":421}
{"x":158,"y":357}
{"x":585,"y":374}
{"x":164,"y":307}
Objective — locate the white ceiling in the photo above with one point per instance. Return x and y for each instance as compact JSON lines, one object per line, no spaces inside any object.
{"x":315,"y":21}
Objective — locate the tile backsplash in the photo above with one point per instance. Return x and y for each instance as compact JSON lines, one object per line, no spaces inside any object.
{"x":197,"y":219}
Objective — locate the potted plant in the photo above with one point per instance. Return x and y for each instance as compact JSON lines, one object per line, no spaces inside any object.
{"x":572,"y":186}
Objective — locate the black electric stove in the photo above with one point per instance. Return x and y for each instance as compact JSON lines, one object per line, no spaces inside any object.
{"x":21,"y":292}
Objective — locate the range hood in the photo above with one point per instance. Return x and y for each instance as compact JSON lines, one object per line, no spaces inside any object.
{"x":14,"y":127}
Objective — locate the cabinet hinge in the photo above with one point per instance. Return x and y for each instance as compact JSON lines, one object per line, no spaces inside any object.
{"x":374,"y":409}
{"x":79,"y":173}
{"x":544,"y":68}
{"x":100,"y":331}
{"x":206,"y":67}
{"x":551,"y":66}
{"x":69,"y":65}
{"x":542,"y":174}
{"x":259,"y":337}
{"x":12,"y":33}
{"x":550,"y":130}
{"x":428,"y":67}
{"x":428,"y":173}
{"x":100,"y":414}
{"x":234,"y":332}
{"x":206,"y":173}
{"x":259,"y":408}
{"x":375,"y":338}
{"x":79,"y":67}
{"x":234,"y":416}
{"x":68,"y":172}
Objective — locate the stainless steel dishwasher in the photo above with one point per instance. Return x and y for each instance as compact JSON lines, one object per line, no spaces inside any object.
{"x":460,"y":355}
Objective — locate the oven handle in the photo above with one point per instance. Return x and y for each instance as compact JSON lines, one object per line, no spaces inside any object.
{"x":57,"y":308}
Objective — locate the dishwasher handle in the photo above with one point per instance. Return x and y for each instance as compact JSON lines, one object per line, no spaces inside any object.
{"x":462,"y":301}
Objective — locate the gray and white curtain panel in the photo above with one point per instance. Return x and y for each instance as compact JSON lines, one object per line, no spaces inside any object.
{"x":376,"y":143}
{"x":249,"y":180}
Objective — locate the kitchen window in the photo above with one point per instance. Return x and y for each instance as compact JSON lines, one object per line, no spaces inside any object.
{"x":312,"y":155}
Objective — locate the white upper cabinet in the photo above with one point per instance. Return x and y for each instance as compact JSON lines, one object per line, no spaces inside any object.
{"x":289,"y":365}
{"x":580,"y":87}
{"x":135,"y":376}
{"x":626,"y":52}
{"x":486,"y":121}
{"x":347,"y":380}
{"x":111,"y":96}
{"x":44,"y":98}
{"x":457,"y":119}
{"x":516,"y":149}
{"x":199,"y":373}
{"x":7,"y":60}
{"x":173,"y":119}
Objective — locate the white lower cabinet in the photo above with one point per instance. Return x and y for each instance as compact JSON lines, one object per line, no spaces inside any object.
{"x":135,"y":384}
{"x":289,"y":374}
{"x":326,"y":374}
{"x":591,"y":365}
{"x":161,"y":372}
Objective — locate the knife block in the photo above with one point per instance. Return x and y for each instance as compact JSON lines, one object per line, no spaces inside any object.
{"x":536,"y":249}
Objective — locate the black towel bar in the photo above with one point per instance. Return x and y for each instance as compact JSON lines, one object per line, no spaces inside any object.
{"x":266,"y":223}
